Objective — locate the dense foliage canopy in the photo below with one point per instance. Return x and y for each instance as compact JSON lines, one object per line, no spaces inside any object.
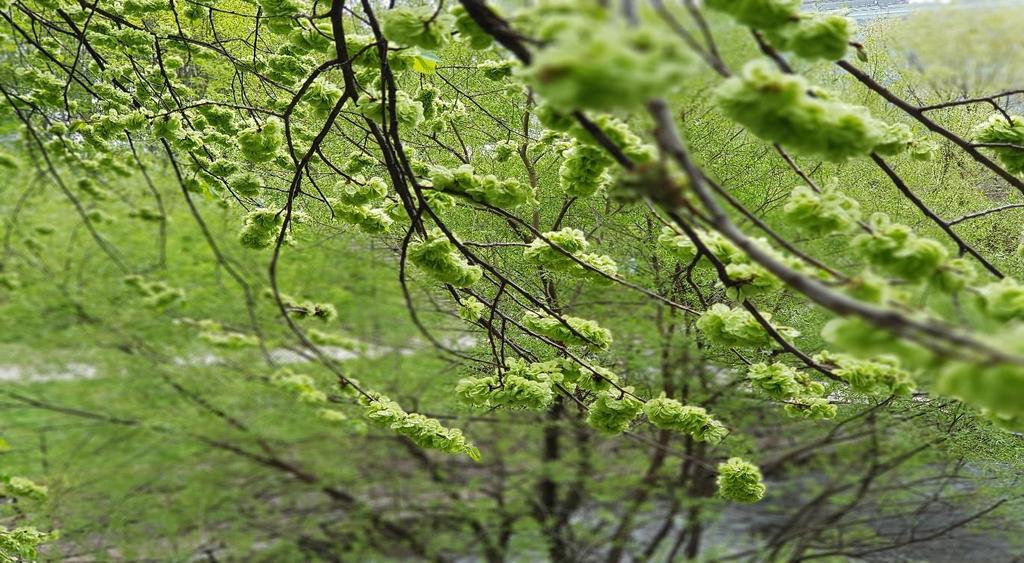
{"x":694,"y":252}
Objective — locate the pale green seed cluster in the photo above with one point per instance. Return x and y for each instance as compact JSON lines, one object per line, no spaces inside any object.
{"x":954,"y":275}
{"x":497,"y":70}
{"x":779,"y":108}
{"x":289,"y":65}
{"x":813,"y":408}
{"x":585,"y":163}
{"x":504,"y":150}
{"x":417,"y":26}
{"x":261,"y":228}
{"x":896,"y":250}
{"x":22,"y":488}
{"x":361,"y":191}
{"x":260,"y":144}
{"x":579,"y":332}
{"x":814,"y":36}
{"x":810,"y":36}
{"x":605,"y":66}
{"x":223,"y":168}
{"x":219,"y":118}
{"x":1002,"y":300}
{"x":423,"y":431}
{"x":997,"y":388}
{"x":870,"y":287}
{"x":780,"y":381}
{"x":304,"y":389}
{"x":736,"y":327}
{"x":21,"y":544}
{"x":583,"y":171}
{"x":408,"y":111}
{"x":357,"y":162}
{"x":751,"y":279}
{"x":89,"y":188}
{"x":998,"y":130}
{"x":801,"y":394}
{"x":762,"y":14}
{"x":614,"y":410}
{"x":881,"y":376}
{"x":740,"y":481}
{"x":508,"y":194}
{"x":247,"y":183}
{"x":830,"y":211}
{"x":746,"y":277}
{"x":441,"y":260}
{"x":359,"y":201}
{"x":679,"y":246}
{"x":372,"y":220}
{"x":670,"y":414}
{"x":279,"y":14}
{"x":168,"y":127}
{"x":574,"y":242}
{"x":534,"y":386}
{"x":471,"y":309}
{"x":311,"y":38}
{"x":520,"y":386}
{"x":594,"y":378}
{"x":857,"y":336}
{"x":322,"y":96}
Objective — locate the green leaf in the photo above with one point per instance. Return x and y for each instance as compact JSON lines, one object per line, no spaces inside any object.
{"x":425,"y":63}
